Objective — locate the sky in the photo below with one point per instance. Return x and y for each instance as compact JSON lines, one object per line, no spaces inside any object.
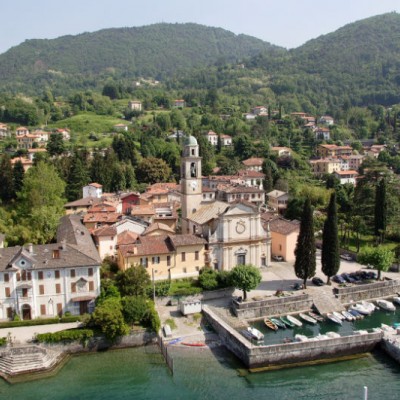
{"x":286,"y":23}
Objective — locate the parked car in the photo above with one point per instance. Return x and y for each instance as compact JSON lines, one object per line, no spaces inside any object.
{"x":338,"y":279}
{"x":277,"y":258}
{"x":317,"y":281}
{"x":346,"y":257}
{"x":348,"y":278}
{"x":298,"y":286}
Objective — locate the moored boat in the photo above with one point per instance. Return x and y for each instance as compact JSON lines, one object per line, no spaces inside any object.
{"x":294,"y":320}
{"x":194,"y":344}
{"x":321,"y":337}
{"x":301,"y":338}
{"x":269,"y":324}
{"x":386,"y":305}
{"x":396,"y":300}
{"x":278,"y":323}
{"x":332,"y":335}
{"x":287,"y":322}
{"x":348,"y":316}
{"x":338,"y":315}
{"x":317,"y":317}
{"x":355,"y":313}
{"x":368,"y":306}
{"x":360,"y":309}
{"x":334,"y":319}
{"x":255,"y":333}
{"x":307,"y":318}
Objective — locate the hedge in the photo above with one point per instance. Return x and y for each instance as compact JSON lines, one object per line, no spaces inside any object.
{"x":70,"y":335}
{"x":3,"y":341}
{"x":39,"y":321}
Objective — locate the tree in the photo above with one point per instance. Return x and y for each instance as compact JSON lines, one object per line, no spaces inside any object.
{"x":330,"y":258}
{"x":380,"y":220}
{"x":134,"y":281}
{"x":151,"y":170}
{"x":305,"y":264}
{"x":134,"y":309}
{"x":77,"y":179}
{"x":245,"y":277}
{"x":18,"y":176}
{"x":109,"y":317}
{"x":55,"y":145}
{"x":380,"y":258}
{"x":208,"y":279}
{"x":7,"y":192}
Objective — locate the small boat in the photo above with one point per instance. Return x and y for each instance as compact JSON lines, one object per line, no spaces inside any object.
{"x":387,"y":328}
{"x":361,"y":332}
{"x":369,"y":306}
{"x":338,"y":315}
{"x":348,"y":316}
{"x":194,"y":344}
{"x":317,"y":317}
{"x":396,"y":300}
{"x":307,"y":318}
{"x":332,"y":335}
{"x":255,"y":333}
{"x":321,"y":337}
{"x":386,"y":305}
{"x":174,"y":341}
{"x":301,"y":338}
{"x":334,"y":319}
{"x":294,"y":320}
{"x":360,"y":309}
{"x":287,"y":322}
{"x":278,"y":323}
{"x":355,"y":313}
{"x":269,"y":324}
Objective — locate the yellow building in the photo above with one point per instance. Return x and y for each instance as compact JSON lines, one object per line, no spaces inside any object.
{"x":325,"y":166}
{"x":165,"y":256}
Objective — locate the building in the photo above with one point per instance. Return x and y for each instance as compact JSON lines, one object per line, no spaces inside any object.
{"x":324,"y":166}
{"x":44,"y":281}
{"x":331,"y":150}
{"x":92,"y":190}
{"x":326,"y":120}
{"x":4,"y":131}
{"x":234,"y":231}
{"x":278,"y":200}
{"x":253,"y":164}
{"x":120,"y":128}
{"x":135,"y":105}
{"x":282,"y":151}
{"x":212,"y":138}
{"x":346,"y":176}
{"x":179,"y":103}
{"x":322,"y":133}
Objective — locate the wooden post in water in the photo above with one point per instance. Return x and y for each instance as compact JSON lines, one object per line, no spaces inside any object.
{"x":365,"y":392}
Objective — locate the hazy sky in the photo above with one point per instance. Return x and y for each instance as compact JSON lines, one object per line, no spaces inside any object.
{"x":288,"y":23}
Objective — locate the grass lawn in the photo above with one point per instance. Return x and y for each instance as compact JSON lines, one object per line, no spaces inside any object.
{"x":367,"y":240}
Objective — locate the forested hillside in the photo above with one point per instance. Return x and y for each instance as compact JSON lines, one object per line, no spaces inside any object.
{"x":150,"y":51}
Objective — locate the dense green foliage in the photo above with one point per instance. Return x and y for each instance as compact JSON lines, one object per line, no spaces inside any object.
{"x":330,"y":258}
{"x":133,"y":281}
{"x":71,"y":335}
{"x":305,"y":263}
{"x":379,"y":258}
{"x":245,"y":277}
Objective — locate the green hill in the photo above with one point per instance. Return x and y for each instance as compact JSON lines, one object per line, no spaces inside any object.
{"x":150,"y":51}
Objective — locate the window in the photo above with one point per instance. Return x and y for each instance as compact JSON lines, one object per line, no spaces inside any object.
{"x":18,"y":276}
{"x":9,"y":312}
{"x":263,"y":261}
{"x":6,"y":278}
{"x":24,"y":292}
{"x":57,"y":274}
{"x":196,"y":255}
{"x":155,"y":260}
{"x":91,"y":285}
{"x":8,"y":292}
{"x":183,"y":256}
{"x":197,"y":269}
{"x":73,"y":287}
{"x":143,"y":262}
{"x":168,"y":261}
{"x":40,"y":274}
{"x":90,"y":271}
{"x":59,"y":309}
{"x":56,"y":253}
{"x":41,"y":289}
{"x":72,"y":273}
{"x":184,"y":270}
{"x":42,"y":309}
{"x":58,"y":288}
{"x":280,"y":247}
{"x":241,"y":259}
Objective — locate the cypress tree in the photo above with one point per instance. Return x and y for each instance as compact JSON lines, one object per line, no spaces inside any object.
{"x":380,"y":220}
{"x":7,"y":192}
{"x":78,"y":178}
{"x":18,"y":175}
{"x":330,"y":258}
{"x":305,"y":264}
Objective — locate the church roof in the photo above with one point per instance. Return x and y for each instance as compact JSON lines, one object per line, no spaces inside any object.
{"x":191,"y":141}
{"x":208,"y":212}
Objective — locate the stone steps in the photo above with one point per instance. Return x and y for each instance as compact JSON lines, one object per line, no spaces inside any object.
{"x":24,"y":359}
{"x":324,"y":300}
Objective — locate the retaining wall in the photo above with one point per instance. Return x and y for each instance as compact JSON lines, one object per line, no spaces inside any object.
{"x":272,"y":306}
{"x":391,"y":348}
{"x":368,"y":291}
{"x":262,"y":356}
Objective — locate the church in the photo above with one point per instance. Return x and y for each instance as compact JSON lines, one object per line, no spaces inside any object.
{"x":234,"y":231}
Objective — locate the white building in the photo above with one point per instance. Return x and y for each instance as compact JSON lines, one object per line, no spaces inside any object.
{"x":93,"y":190}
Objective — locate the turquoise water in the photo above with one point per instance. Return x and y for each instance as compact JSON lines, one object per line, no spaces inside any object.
{"x":199,"y":374}
{"x":141,"y":374}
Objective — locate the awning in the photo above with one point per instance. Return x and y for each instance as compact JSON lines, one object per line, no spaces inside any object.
{"x":82,"y":298}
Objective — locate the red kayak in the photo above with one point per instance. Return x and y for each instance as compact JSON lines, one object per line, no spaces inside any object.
{"x":194,"y":344}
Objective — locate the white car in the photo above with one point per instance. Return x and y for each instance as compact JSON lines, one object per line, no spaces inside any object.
{"x":346,"y":257}
{"x":277,"y":258}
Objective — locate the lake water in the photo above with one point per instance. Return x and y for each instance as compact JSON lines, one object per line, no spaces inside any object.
{"x":141,"y":374}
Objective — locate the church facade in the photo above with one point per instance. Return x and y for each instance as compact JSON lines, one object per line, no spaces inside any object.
{"x":234,"y":231}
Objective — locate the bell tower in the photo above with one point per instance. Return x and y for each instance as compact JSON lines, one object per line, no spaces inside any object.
{"x":191,"y":182}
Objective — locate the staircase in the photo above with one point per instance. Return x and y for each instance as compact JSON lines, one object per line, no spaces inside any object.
{"x":324,"y":300}
{"x":27,"y":359}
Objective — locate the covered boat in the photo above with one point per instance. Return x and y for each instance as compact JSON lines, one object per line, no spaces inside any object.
{"x":386,"y":305}
{"x":334,"y":319}
{"x":307,"y":318}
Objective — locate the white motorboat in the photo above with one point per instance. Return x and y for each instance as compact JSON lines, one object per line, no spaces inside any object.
{"x":334,"y":319}
{"x":321,"y":337}
{"x":255,"y":333}
{"x":338,"y":315}
{"x":301,"y":338}
{"x":386,"y":305}
{"x":332,"y":335}
{"x":307,"y":318}
{"x":396,"y":300}
{"x":294,"y":320}
{"x":368,"y":305}
{"x":348,"y":316}
{"x":360,"y":309}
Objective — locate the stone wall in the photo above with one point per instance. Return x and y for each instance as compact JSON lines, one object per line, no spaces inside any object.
{"x":368,"y":291}
{"x":272,"y":306}
{"x":96,"y":343}
{"x":262,"y":356}
{"x":392,"y":348}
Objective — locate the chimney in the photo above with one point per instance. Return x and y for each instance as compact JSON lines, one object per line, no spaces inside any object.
{"x":30,"y":248}
{"x":63,"y":244}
